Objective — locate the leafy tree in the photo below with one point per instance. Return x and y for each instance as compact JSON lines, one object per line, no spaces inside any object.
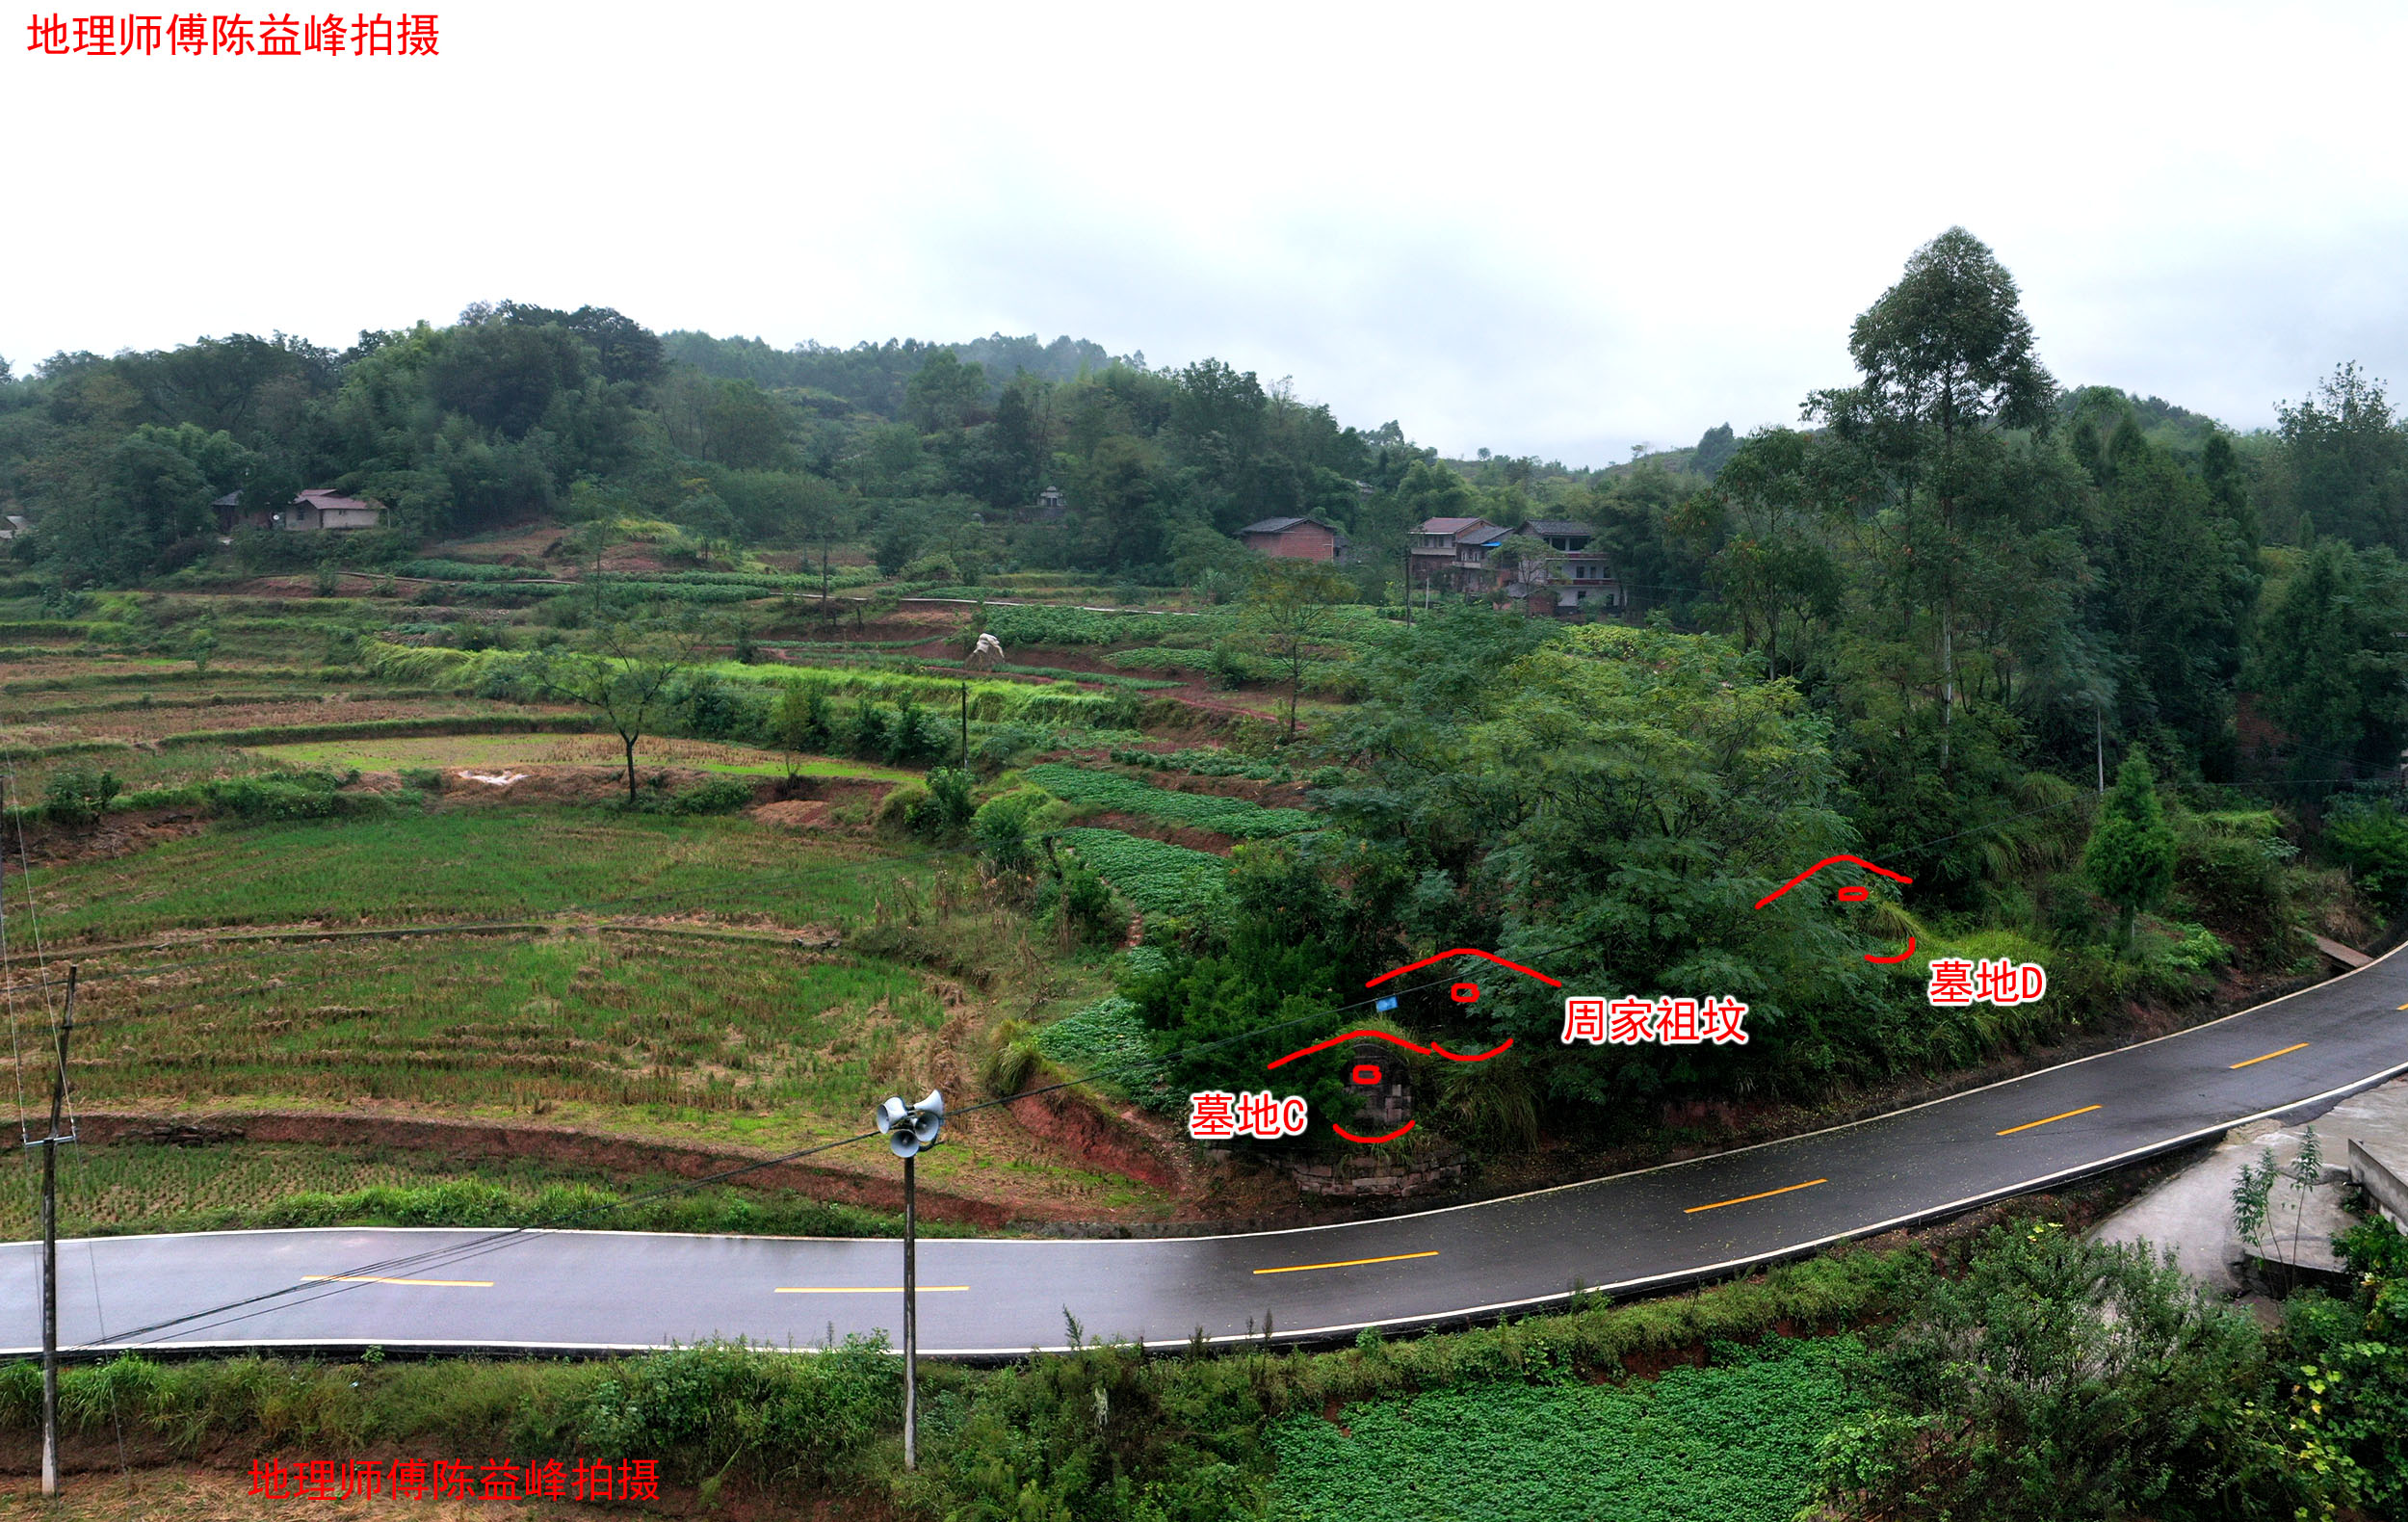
{"x":946,"y":392}
{"x":78,"y":797}
{"x":1291,"y":608}
{"x":2371,"y":836}
{"x":743,"y":429}
{"x":1770,"y":556}
{"x":1007,"y":826}
{"x":1113,"y":497}
{"x":1610,"y":804}
{"x":2345,"y":460}
{"x":2328,"y":667}
{"x":1714,"y":449}
{"x":628,"y":673}
{"x":1018,"y":447}
{"x":624,"y":350}
{"x":2176,"y":584}
{"x":1531,"y":565}
{"x":2347,"y":1369}
{"x":2062,"y":1378}
{"x":2129,"y":859}
{"x":1945,"y":361}
{"x":505,"y":375}
{"x":804,"y":723}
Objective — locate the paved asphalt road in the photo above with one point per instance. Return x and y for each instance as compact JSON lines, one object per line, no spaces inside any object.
{"x":997,"y":1296}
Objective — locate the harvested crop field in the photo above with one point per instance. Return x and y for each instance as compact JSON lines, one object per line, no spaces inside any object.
{"x":472,"y":864}
{"x":490,"y":752}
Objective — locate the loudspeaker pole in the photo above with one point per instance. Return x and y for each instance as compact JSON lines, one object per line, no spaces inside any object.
{"x":49,"y":1146}
{"x":911,"y":1318}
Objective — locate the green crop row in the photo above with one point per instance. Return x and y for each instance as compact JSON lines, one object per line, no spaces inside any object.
{"x":1229,"y":816}
{"x":1108,"y":1041}
{"x":470,"y":570}
{"x":1154,"y":875}
{"x":1207,"y":763}
{"x":1019,"y":625}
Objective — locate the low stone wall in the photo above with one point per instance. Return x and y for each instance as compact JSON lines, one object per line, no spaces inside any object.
{"x":1433,"y":1167}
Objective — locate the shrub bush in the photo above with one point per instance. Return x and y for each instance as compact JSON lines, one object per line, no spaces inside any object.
{"x":2371,"y":837}
{"x":950,"y":802}
{"x":78,"y":795}
{"x":1003,"y":827}
{"x":2230,"y":864}
{"x":719,"y":795}
{"x":291,"y":795}
{"x":902,"y":809}
{"x":1088,"y":910}
{"x":804,"y":1421}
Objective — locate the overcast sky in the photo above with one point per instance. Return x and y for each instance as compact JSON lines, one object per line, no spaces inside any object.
{"x":1559,"y":229}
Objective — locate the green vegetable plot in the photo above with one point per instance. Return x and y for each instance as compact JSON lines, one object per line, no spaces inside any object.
{"x":1155,"y":875}
{"x":1230,"y":816}
{"x":1732,"y":1443}
{"x":1107,"y":1040}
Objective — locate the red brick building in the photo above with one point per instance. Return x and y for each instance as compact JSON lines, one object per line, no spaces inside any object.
{"x":1294,"y":539}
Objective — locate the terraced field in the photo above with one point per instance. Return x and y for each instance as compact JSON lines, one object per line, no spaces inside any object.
{"x":1228,"y":816}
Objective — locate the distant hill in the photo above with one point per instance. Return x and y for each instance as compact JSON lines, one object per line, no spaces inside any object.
{"x":872,"y":376}
{"x":2163,"y":423}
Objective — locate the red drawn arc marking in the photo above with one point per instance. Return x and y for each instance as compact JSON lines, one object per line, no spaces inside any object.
{"x":1467,"y":951}
{"x":1900,"y":956}
{"x":1785,"y":887}
{"x":1389,"y":1136}
{"x":1426,"y":1051}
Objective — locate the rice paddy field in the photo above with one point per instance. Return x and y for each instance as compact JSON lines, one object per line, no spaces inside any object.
{"x":508,"y":1023}
{"x":471,"y":865}
{"x":553,"y":960}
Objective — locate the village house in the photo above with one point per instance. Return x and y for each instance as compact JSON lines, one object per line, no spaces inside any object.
{"x":317,"y":508}
{"x":1461,"y":555}
{"x":1580,"y":575}
{"x":1294,"y":539}
{"x":1452,"y":554}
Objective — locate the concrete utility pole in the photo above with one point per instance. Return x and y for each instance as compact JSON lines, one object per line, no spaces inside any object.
{"x":49,"y":1146}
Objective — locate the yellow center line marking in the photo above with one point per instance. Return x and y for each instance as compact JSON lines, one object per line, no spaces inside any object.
{"x":371,"y":1279}
{"x":870,"y":1289}
{"x":1744,"y":1198}
{"x":2285,"y":1051}
{"x":1350,"y":1263}
{"x":2029,"y":1124}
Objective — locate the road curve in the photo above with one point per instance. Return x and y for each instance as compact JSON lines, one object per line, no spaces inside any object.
{"x":337,"y":1290}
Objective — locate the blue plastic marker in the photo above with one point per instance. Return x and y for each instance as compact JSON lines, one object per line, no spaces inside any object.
{"x":1388,"y":1003}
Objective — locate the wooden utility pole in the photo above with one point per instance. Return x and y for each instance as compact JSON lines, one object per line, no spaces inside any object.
{"x":49,"y":1146}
